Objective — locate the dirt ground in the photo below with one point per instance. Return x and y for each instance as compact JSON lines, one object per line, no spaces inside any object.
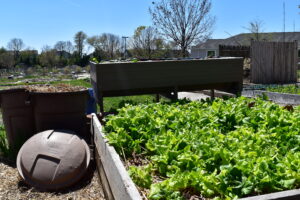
{"x":12,"y":187}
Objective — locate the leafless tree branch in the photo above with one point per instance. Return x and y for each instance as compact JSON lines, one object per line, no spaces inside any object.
{"x":183,"y":21}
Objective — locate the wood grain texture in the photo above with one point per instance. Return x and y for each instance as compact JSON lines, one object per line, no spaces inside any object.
{"x":285,"y":195}
{"x":274,"y":62}
{"x":117,"y":79}
{"x":121,"y":185}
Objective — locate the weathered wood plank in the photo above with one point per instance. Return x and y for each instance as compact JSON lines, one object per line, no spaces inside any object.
{"x":121,"y":186}
{"x":166,"y":74}
{"x":104,"y":181}
{"x":285,"y":195}
{"x":120,"y":79}
{"x":274,"y":62}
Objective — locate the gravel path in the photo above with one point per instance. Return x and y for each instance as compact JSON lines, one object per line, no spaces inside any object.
{"x":192,"y":96}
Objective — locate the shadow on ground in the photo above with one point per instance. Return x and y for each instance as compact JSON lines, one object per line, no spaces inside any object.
{"x":86,"y":180}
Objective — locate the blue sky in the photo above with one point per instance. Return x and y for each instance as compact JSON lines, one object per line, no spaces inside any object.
{"x":41,"y":22}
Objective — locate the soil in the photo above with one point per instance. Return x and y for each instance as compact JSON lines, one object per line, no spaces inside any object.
{"x":54,"y":88}
{"x":12,"y":187}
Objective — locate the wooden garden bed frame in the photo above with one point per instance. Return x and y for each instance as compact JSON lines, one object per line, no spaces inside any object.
{"x":166,"y":77}
{"x":118,"y":185}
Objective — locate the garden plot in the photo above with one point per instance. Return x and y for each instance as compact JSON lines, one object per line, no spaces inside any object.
{"x":288,"y":89}
{"x":281,"y":94}
{"x":203,"y":150}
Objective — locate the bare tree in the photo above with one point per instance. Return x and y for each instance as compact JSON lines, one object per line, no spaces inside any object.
{"x":48,"y":57}
{"x":145,"y":42}
{"x":79,"y":39}
{"x":107,"y":43}
{"x":15,"y":45}
{"x":60,"y":46}
{"x":46,"y":48}
{"x":7,"y":60}
{"x":69,"y":47}
{"x":112,"y":43}
{"x":256,"y":28}
{"x":95,"y":42}
{"x":183,"y":21}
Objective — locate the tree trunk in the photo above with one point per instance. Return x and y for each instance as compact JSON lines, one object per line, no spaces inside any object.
{"x":183,"y":51}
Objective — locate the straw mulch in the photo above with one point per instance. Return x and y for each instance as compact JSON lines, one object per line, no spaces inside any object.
{"x":13,"y":188}
{"x":54,"y":88}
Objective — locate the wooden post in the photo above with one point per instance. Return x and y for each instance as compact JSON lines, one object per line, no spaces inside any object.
{"x":175,"y":95}
{"x":212,"y":94}
{"x":157,"y":97}
{"x":101,"y":104}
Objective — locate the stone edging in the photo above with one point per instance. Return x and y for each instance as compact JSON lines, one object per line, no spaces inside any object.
{"x":281,"y":98}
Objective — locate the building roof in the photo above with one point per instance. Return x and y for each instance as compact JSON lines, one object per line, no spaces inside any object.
{"x":245,"y":39}
{"x":210,"y":44}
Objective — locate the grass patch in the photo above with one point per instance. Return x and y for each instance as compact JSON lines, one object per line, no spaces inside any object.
{"x":4,"y":150}
{"x":290,"y":89}
{"x":113,"y":103}
{"x":6,"y":80}
{"x":78,"y":82}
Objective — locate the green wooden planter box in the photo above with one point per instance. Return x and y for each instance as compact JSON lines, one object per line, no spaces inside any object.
{"x":171,"y":76}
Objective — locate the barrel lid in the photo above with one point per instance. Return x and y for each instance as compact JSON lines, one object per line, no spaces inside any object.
{"x":53,"y":159}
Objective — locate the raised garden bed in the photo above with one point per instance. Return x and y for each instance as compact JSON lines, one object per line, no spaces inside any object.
{"x":288,"y":89}
{"x":277,"y":97}
{"x":225,"y":149}
{"x":166,"y":77}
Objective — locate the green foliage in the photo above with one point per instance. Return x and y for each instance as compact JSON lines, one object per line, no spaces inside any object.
{"x":147,"y":44}
{"x":134,"y":60}
{"x":111,"y":104}
{"x":221,"y":149}
{"x":67,"y":70}
{"x":3,"y":143}
{"x":49,"y":58}
{"x":95,"y":60}
{"x":291,"y":89}
{"x":79,"y":82}
{"x":141,"y":175}
{"x":5,"y":150}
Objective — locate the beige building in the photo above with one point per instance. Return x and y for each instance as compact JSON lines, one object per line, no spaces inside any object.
{"x":210,"y":48}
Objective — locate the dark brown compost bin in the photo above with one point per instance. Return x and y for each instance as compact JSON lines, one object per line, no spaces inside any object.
{"x":60,"y":110}
{"x":17,"y":114}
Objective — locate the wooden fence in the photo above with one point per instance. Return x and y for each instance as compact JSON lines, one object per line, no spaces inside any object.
{"x":234,"y":51}
{"x":274,"y":62}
